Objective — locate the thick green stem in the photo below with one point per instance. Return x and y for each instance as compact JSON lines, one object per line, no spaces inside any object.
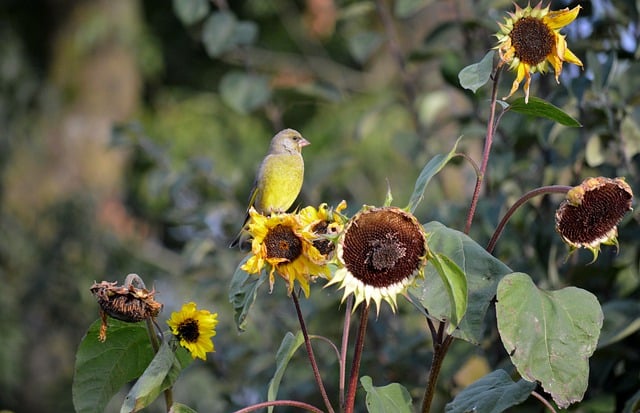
{"x":312,"y":359}
{"x":357,"y":356}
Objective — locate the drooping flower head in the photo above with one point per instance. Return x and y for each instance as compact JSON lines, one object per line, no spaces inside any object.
{"x":283,"y":244}
{"x":325,"y":223}
{"x":530,"y":39}
{"x":381,"y":251}
{"x":591,"y":213}
{"x":194,"y":329}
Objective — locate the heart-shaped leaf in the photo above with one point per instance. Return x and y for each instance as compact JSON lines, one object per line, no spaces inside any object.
{"x":550,"y":335}
{"x":390,"y":398}
{"x":476,"y":75}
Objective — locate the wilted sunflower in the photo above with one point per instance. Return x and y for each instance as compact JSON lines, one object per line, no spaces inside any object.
{"x":530,"y":38}
{"x":194,"y":329}
{"x":280,"y":241}
{"x":325,"y":223}
{"x":591,"y":213}
{"x":381,"y":251}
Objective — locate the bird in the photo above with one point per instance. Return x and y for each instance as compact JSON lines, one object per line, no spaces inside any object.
{"x":278,"y":179}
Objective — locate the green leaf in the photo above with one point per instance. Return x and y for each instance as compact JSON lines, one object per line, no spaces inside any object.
{"x":244,"y":92}
{"x":181,"y":408}
{"x":363,"y":44}
{"x":483,"y":272}
{"x":621,"y":319}
{"x":246,"y":33}
{"x":150,"y":384}
{"x":550,"y":335}
{"x":190,"y":11}
{"x":288,"y":347}
{"x":476,"y":75}
{"x":494,"y":393}
{"x":541,"y":108}
{"x":242,"y":293}
{"x":103,"y":368}
{"x":455,"y":283}
{"x":432,"y":167}
{"x":390,"y":398}
{"x":218,"y":33}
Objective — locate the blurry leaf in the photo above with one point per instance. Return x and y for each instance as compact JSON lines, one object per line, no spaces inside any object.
{"x":242,"y":293}
{"x":363,"y":44}
{"x":455,"y":283}
{"x":594,"y":151}
{"x":150,"y":384}
{"x":103,"y":368}
{"x":633,"y":404}
{"x":406,"y":8}
{"x":390,"y":398}
{"x":478,"y":74}
{"x":181,"y":408}
{"x":246,"y":33}
{"x":244,"y":92}
{"x":290,"y":344}
{"x":494,"y":393}
{"x":483,"y":272}
{"x":190,"y":11}
{"x":218,"y":33}
{"x":549,"y":335}
{"x":630,"y":132}
{"x":319,"y":90}
{"x":621,"y":319}
{"x":432,"y":167}
{"x":541,"y":108}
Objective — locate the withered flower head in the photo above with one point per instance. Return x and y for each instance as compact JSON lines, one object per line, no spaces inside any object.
{"x":126,"y":303}
{"x":380,"y":251}
{"x":530,"y":39}
{"x":591,"y":213}
{"x":326,"y":223}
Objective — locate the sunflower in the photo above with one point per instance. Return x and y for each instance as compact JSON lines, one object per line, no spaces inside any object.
{"x":590,"y":215}
{"x":194,"y":329}
{"x":380,"y":252}
{"x":326,"y":223}
{"x":281,"y":242}
{"x":530,"y":38}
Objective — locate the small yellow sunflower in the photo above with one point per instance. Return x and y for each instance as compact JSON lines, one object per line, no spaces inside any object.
{"x":530,"y":38}
{"x":380,"y":252}
{"x":194,"y":329}
{"x":590,"y":215}
{"x":325,"y":223}
{"x":280,"y":241}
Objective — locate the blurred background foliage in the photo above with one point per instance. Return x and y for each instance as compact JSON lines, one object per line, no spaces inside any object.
{"x":131,"y":131}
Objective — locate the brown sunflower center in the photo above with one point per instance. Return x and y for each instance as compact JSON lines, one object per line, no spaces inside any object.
{"x":282,"y":242}
{"x":600,"y":210}
{"x":323,"y":245}
{"x":188,"y":330}
{"x":383,"y":247}
{"x":532,"y":40}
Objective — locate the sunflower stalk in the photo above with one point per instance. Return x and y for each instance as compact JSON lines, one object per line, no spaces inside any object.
{"x":357,"y":357}
{"x":155,"y":344}
{"x":441,"y":344}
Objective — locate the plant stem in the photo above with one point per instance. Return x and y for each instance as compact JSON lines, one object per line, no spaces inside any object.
{"x":543,"y":401}
{"x":345,"y":345}
{"x":293,"y":403}
{"x":357,"y":356}
{"x":312,"y":359}
{"x":485,"y":153}
{"x":552,"y":189}
{"x":441,"y":343}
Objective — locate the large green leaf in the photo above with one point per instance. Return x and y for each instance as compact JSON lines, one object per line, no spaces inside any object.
{"x":390,"y":398}
{"x":550,"y":335}
{"x":432,"y":167}
{"x":103,"y":368}
{"x":494,"y":393}
{"x":542,"y":108}
{"x":482,"y":270}
{"x":288,"y":347}
{"x":478,"y":74}
{"x":242,"y":293}
{"x":455,"y":284}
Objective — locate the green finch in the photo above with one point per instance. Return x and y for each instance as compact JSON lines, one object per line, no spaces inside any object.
{"x":279,"y":178}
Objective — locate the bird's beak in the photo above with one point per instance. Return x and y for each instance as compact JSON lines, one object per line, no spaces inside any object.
{"x":303,"y":142}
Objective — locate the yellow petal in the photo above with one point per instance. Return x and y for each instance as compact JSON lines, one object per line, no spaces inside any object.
{"x":568,"y":56}
{"x":560,"y":18}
